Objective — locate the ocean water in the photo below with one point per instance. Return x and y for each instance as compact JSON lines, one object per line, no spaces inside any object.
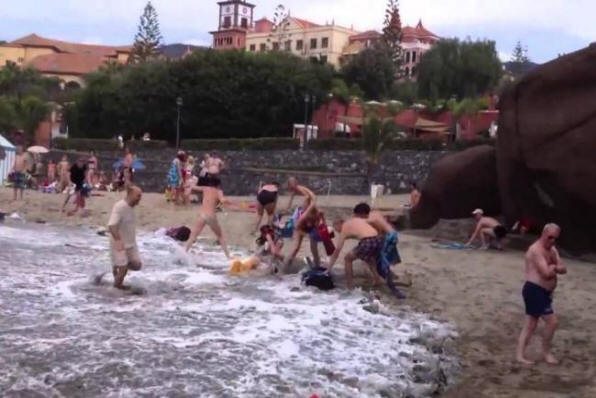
{"x":197,"y":332}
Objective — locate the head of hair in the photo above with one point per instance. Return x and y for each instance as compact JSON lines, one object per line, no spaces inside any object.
{"x":181,"y":155}
{"x":413,"y":184}
{"x":550,"y":227}
{"x":362,"y":209}
{"x":132,"y":188}
{"x":275,"y":183}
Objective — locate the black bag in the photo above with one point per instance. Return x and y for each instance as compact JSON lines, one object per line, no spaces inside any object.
{"x":318,"y":277}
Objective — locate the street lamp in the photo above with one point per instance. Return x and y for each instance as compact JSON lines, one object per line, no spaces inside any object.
{"x":306,"y":101}
{"x":178,"y":105}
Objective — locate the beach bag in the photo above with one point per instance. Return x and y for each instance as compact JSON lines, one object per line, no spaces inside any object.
{"x":318,"y":277}
{"x":326,"y":237}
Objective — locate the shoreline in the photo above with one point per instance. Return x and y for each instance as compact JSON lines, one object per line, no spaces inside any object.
{"x":478,"y":292}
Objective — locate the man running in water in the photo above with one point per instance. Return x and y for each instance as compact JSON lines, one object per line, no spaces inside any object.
{"x":123,"y":242}
{"x":488,"y":229}
{"x":300,"y":190}
{"x":19,"y":178}
{"x":212,"y":197}
{"x":389,"y":254}
{"x":543,"y":264}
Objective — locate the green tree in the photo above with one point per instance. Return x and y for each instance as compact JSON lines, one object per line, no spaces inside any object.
{"x":392,"y":34}
{"x":520,"y":54}
{"x":373,"y":70}
{"x":148,"y":38}
{"x":405,"y":92}
{"x":377,"y":134}
{"x":29,"y":112}
{"x":459,"y":68}
{"x":7,"y":114}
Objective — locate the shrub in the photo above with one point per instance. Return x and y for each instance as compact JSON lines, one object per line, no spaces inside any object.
{"x":88,"y":144}
{"x":239,"y":144}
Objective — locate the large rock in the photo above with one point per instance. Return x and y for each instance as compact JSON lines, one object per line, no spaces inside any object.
{"x":546,"y":151}
{"x":457,"y":185}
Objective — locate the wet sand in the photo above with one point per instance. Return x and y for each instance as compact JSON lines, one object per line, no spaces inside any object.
{"x":479,"y":292}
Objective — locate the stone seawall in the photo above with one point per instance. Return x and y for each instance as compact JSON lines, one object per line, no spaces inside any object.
{"x":336,"y":172}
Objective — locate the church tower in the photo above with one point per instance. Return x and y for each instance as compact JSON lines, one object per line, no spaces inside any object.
{"x":235,"y":19}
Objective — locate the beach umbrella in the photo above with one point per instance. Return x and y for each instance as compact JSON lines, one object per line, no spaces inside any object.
{"x":37,"y":149}
{"x":136,"y":164}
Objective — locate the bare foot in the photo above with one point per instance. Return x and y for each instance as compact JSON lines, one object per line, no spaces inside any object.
{"x":123,"y":287}
{"x":524,"y":361}
{"x":97,"y":279}
{"x":550,"y":359}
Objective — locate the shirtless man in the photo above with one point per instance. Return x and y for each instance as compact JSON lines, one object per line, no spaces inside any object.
{"x":488,"y":229}
{"x":212,"y":197}
{"x":389,"y":255}
{"x":19,"y":178}
{"x":214,"y":165}
{"x":306,"y":225}
{"x":63,"y":174}
{"x":123,"y":242}
{"x":543,"y":264}
{"x":368,"y":249}
{"x":300,"y":190}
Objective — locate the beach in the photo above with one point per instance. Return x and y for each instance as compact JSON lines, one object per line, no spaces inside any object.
{"x":478,"y":292}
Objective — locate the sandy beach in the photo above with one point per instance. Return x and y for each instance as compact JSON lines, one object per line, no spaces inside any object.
{"x":478,"y":292}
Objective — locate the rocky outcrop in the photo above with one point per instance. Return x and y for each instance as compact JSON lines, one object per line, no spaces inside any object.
{"x":546,"y":151}
{"x":457,"y":185}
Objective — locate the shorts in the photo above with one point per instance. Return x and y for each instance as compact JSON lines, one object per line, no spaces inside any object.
{"x":125,"y":257}
{"x":500,"y":232}
{"x":369,"y":249}
{"x":266,"y":197}
{"x":19,"y":180}
{"x":538,"y":300}
{"x":209,"y":180}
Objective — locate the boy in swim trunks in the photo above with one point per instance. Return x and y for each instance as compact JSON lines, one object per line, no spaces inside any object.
{"x":543,"y":264}
{"x":212,"y":197}
{"x":19,"y":178}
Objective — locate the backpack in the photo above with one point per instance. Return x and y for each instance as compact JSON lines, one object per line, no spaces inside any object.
{"x":318,"y":277}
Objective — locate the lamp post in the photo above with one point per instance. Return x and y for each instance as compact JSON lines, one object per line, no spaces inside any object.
{"x":306,"y":101}
{"x":178,"y":105}
{"x":312,"y":114}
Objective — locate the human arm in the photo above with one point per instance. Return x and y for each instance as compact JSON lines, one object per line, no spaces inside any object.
{"x":559,"y":267}
{"x":292,"y":195}
{"x":310,"y":196}
{"x":336,"y":252}
{"x":475,"y":234}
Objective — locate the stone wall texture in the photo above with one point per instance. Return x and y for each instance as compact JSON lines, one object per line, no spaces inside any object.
{"x":336,"y":172}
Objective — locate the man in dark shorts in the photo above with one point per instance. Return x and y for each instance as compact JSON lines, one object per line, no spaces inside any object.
{"x":266,"y":202}
{"x":543,"y":264}
{"x":369,"y":247}
{"x":78,"y":176}
{"x":488,"y":229}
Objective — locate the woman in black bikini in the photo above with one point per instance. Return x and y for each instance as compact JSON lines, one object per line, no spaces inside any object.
{"x":266,"y":201}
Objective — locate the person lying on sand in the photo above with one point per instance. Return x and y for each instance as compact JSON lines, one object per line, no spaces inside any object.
{"x":543,"y":264}
{"x":212,"y":198}
{"x":488,"y":229}
{"x":123,"y":242}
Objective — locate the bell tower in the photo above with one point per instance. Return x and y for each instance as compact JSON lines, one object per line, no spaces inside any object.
{"x":235,"y":20}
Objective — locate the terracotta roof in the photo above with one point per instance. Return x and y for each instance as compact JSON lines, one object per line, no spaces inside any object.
{"x":304,"y":24}
{"x":369,"y":34}
{"x":62,"y":63}
{"x":263,"y":25}
{"x":417,"y":32}
{"x":34,"y":40}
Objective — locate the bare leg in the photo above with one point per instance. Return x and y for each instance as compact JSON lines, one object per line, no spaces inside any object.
{"x":314,"y":248}
{"x":260,"y":211}
{"x":376,"y":279}
{"x":220,"y":237}
{"x":551,"y":322}
{"x":119,"y":274}
{"x":524,"y":338}
{"x":270,"y":209}
{"x":196,"y":231}
{"x":348,"y":259}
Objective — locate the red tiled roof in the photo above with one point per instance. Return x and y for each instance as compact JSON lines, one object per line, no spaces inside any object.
{"x":417,"y":32}
{"x":304,"y":24}
{"x":369,"y":34}
{"x":63,"y":63}
{"x":34,"y":40}
{"x":263,"y":25}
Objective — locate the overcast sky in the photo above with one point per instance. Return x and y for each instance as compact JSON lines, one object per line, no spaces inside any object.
{"x":546,"y":27}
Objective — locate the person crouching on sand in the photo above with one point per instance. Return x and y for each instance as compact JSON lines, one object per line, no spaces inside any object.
{"x":123,"y":242}
{"x":212,"y":197}
{"x":488,"y":229}
{"x":543,"y":264}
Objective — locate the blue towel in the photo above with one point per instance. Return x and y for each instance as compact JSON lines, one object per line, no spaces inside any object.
{"x":389,"y":255}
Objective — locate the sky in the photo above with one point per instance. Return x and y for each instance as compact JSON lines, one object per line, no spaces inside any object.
{"x":547,"y":27}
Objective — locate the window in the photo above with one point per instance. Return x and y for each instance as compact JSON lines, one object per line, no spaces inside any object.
{"x":325,"y":42}
{"x":253,"y":47}
{"x":288,"y":45}
{"x":407,"y":71}
{"x":414,"y":56}
{"x":244,"y":23}
{"x":299,"y":45}
{"x":414,"y":71}
{"x":276,"y":46}
{"x":263,"y":47}
{"x":227,"y":22}
{"x":323,"y":59}
{"x":407,"y":57}
{"x":238,"y":42}
{"x":313,"y":43}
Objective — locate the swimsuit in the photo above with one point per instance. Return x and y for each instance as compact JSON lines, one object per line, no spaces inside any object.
{"x":209,"y":180}
{"x":537,"y":299}
{"x":19,"y":180}
{"x":369,"y":249}
{"x":266,"y":197}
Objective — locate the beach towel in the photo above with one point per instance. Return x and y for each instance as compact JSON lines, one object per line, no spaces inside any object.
{"x":389,"y":255}
{"x":173,"y":176}
{"x":450,"y":246}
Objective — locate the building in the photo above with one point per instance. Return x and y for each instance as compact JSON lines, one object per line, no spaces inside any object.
{"x":330,"y":43}
{"x":67,"y":61}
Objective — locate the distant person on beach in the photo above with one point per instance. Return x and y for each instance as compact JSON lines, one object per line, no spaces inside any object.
{"x":369,"y":247}
{"x":389,"y":254}
{"x":176,"y":177}
{"x":296,"y":189}
{"x":78,"y":176}
{"x":415,"y":195}
{"x":19,"y":176}
{"x":488,"y":229}
{"x":123,"y":242}
{"x":93,"y":165}
{"x":51,"y":172}
{"x":63,"y":174}
{"x":266,"y":202}
{"x":543,"y":264}
{"x":212,"y":198}
{"x":126,"y":176}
